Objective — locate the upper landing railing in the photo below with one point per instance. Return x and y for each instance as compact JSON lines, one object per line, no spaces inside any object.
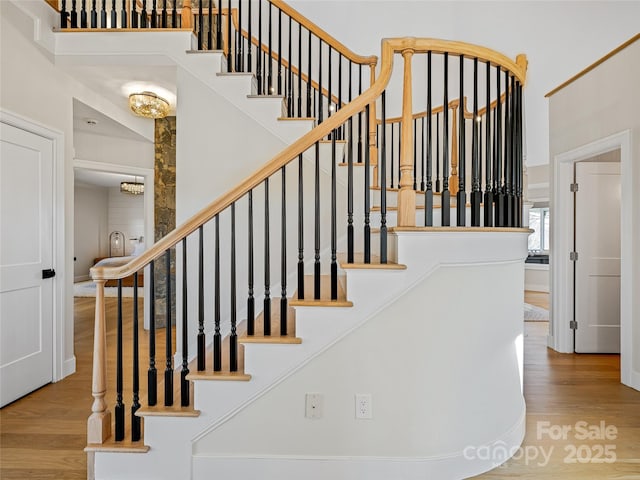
{"x":289,"y":206}
{"x":289,"y":55}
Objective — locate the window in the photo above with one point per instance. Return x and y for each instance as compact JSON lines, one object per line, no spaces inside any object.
{"x":539,"y":222}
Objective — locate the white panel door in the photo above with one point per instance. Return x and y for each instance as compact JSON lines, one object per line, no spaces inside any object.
{"x":26,"y":249}
{"x":597,"y":270}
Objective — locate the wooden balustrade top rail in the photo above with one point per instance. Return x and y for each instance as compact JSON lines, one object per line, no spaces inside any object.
{"x":389,"y":48}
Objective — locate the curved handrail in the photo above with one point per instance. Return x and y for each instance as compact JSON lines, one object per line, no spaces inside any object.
{"x":389,"y":47}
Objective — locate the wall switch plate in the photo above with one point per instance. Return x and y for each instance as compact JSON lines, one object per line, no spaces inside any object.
{"x":314,"y":405}
{"x":364,"y":406}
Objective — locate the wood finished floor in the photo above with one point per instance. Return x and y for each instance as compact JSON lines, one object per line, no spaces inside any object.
{"x":42,"y":436}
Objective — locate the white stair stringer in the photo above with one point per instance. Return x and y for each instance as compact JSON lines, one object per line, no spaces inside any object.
{"x":371,"y":291}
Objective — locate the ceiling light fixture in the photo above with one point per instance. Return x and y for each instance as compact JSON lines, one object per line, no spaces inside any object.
{"x":148,"y":105}
{"x":132,"y":188}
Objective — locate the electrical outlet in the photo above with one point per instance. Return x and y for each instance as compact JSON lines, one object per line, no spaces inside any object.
{"x":314,"y":405}
{"x":364,"y":406}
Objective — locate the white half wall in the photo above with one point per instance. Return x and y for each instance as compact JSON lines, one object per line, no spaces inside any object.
{"x":584,"y":123}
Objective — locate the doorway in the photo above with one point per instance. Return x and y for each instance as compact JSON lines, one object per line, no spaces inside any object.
{"x":596,"y":262}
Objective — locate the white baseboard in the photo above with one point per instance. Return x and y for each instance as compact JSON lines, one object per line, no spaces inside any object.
{"x":69,"y":367}
{"x":81,"y":278}
{"x":463,"y":464}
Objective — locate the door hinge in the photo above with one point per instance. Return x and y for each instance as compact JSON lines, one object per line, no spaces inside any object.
{"x":573,"y":256}
{"x":574,"y":187}
{"x":573,"y":325}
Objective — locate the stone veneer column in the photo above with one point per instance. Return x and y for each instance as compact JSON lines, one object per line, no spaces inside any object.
{"x":165,"y":211}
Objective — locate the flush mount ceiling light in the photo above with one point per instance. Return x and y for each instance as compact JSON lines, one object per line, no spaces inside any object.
{"x":149,"y":105}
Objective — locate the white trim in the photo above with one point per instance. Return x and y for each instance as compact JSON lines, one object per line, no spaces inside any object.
{"x":61,"y":319}
{"x":276,"y":467}
{"x":69,"y":366}
{"x":149,"y":233}
{"x":561,"y":338}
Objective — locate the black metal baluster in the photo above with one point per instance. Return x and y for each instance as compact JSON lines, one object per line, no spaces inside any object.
{"x":279,"y":52}
{"x":143,"y":15}
{"x":383,"y":182}
{"x":103,"y":14}
{"x":476,"y":193}
{"x":94,"y":15}
{"x":299,"y":70}
{"x":267,"y":264}
{"x":201,"y":337}
{"x":329,"y":103}
{"x":300,"y":229}
{"x":438,"y":153}
{"x":114,"y":15}
{"x":74,"y":14}
{"x":415,"y":157}
{"x":512,"y":156}
{"x":283,"y":256}
{"x":422,"y":154}
{"x":174,"y":15}
{"x":217,"y":337}
{"x":209,"y":24}
{"x":309,"y":76}
{"x":64,"y":20}
{"x":240,"y":41}
{"x":399,"y":152}
{"x":83,"y":14}
{"x":119,"y":408}
{"x":428,"y":188}
{"x":498,"y":192}
{"x":233,"y":337}
{"x":520,"y":154}
{"x":289,"y":88}
{"x":334,"y":221}
{"x":488,"y":189}
{"x":152,"y":373}
{"x":229,"y":44}
{"x":360,"y":159}
{"x":316,"y":264}
{"x":219,"y":45}
{"x":184,"y":383}
{"x":461,"y":198}
{"x":200,"y":25}
{"x":251,"y":301}
{"x":123,"y":14}
{"x":259,"y":55}
{"x":367,"y":190}
{"x":154,"y":15}
{"x":445,"y":198}
{"x":163,"y":17}
{"x":507,"y":150}
{"x":350,"y":232}
{"x":134,"y":15}
{"x":339,"y":106}
{"x":135,"y":402}
{"x":269,"y":54}
{"x":168,"y":371}
{"x":249,"y":40}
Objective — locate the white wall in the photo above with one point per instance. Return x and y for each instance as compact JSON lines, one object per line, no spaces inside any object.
{"x":91,"y":232}
{"x":442,"y":378}
{"x":536,"y":277}
{"x":559,"y":38}
{"x":126,"y":215}
{"x":119,"y":151}
{"x":579,"y":115}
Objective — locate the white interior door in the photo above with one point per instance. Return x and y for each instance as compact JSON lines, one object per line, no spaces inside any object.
{"x":597,"y":270}
{"x":26,"y":250}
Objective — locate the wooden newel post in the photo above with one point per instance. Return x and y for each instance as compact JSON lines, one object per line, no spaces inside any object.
{"x":453,"y":178}
{"x":407,"y":196}
{"x":99,"y":423}
{"x":187,"y":16}
{"x":373,"y":149}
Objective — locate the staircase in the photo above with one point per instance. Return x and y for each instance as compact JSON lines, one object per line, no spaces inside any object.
{"x":332,"y":269}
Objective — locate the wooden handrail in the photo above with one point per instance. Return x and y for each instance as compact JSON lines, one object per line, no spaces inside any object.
{"x":319,"y":32}
{"x":388,"y":48}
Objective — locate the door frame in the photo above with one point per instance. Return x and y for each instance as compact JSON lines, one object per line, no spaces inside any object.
{"x":560,"y":334}
{"x":62,"y":319}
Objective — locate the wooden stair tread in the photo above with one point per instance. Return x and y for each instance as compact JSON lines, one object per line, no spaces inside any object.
{"x":396,"y":189}
{"x":275,"y":337}
{"x":225,"y":374}
{"x":358,"y":263}
{"x":288,"y":119}
{"x":329,"y":142}
{"x":125,"y":446}
{"x":355,"y":164}
{"x":325,"y":294}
